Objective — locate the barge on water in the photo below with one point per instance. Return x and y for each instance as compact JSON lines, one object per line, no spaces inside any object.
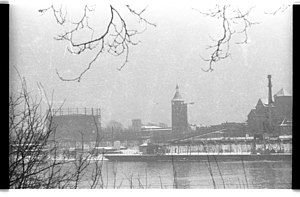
{"x":200,"y":157}
{"x":153,"y":152}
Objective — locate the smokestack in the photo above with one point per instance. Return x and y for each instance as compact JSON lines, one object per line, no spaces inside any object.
{"x":270,"y":90}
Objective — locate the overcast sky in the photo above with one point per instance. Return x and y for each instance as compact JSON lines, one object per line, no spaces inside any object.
{"x":168,"y":54}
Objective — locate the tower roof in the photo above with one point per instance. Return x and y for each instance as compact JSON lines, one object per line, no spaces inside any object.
{"x":282,"y":92}
{"x":177,"y":95}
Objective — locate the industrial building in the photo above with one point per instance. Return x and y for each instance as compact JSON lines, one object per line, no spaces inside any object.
{"x":272,"y":116}
{"x":76,"y":125}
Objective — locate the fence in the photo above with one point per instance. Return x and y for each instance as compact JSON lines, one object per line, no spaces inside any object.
{"x":76,"y":111}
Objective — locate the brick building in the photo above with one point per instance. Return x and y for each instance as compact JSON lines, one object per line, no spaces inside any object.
{"x":179,"y":113}
{"x":272,"y":116}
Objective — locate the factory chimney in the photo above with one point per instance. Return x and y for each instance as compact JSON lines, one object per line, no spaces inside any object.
{"x":270,"y":90}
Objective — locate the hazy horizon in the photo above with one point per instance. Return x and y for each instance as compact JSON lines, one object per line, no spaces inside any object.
{"x":168,"y":54}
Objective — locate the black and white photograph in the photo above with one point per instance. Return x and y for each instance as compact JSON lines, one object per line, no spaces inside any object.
{"x":150,"y":94}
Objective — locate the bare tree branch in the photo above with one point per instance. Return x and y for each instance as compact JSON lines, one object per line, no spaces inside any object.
{"x":115,"y":40}
{"x":281,"y":9}
{"x":140,"y":15}
{"x":231,"y":18}
{"x":58,"y":14}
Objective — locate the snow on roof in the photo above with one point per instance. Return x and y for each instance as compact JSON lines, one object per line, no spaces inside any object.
{"x":282,"y":92}
{"x":285,"y":137}
{"x":151,"y":127}
{"x":264,"y":101}
{"x":104,"y":148}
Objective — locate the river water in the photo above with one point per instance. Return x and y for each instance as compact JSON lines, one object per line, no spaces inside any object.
{"x":188,"y":174}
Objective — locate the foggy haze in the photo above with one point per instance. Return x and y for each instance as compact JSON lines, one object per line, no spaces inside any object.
{"x":168,"y":54}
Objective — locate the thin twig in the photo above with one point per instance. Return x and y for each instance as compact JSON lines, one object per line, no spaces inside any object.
{"x":115,"y":40}
{"x":221,"y":48}
{"x":245,"y":175}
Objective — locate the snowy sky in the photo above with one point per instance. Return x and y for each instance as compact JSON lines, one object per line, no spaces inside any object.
{"x":168,"y":54}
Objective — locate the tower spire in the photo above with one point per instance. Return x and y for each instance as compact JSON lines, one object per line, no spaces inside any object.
{"x":177,"y":95}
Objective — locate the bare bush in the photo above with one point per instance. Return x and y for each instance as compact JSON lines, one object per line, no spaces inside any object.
{"x":35,"y":158}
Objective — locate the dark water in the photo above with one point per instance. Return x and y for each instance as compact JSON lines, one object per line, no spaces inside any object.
{"x":187,"y":174}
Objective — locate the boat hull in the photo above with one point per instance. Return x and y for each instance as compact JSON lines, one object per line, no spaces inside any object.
{"x":211,"y":157}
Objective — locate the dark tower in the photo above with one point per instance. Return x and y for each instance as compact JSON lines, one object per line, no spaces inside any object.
{"x":136,"y":125}
{"x":270,"y":101}
{"x":269,"y":128}
{"x":179,"y":113}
